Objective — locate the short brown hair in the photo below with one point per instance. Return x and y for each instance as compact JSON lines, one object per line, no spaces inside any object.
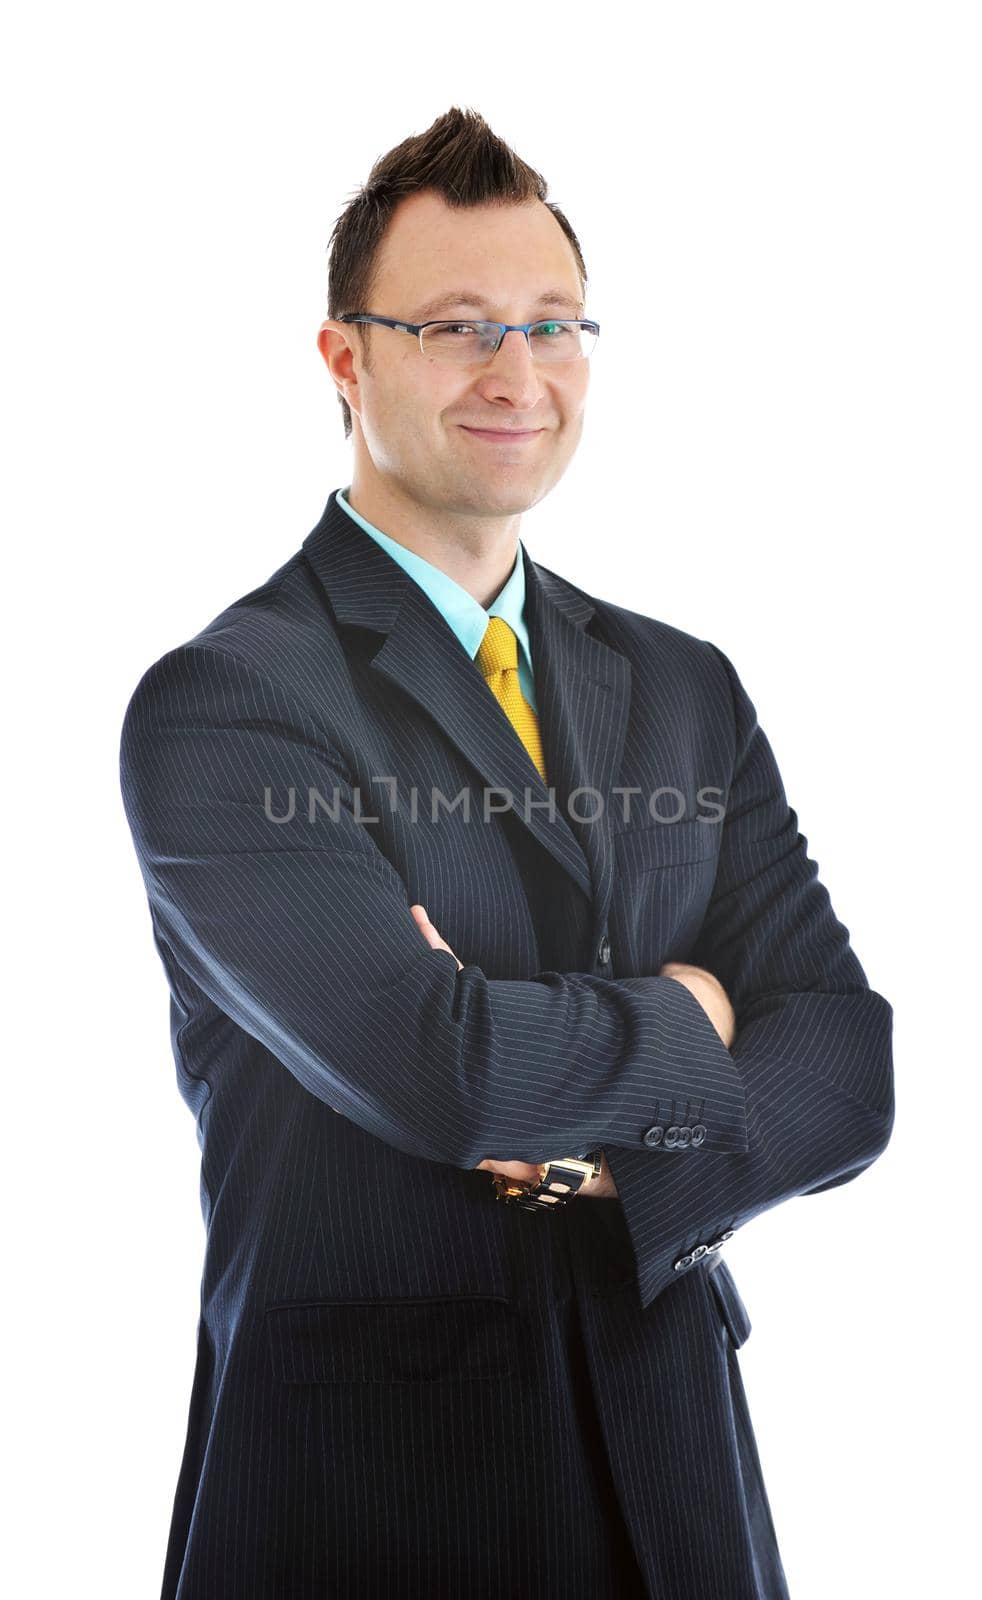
{"x":461,"y":159}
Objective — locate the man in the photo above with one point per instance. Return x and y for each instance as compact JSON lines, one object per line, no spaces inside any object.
{"x":503,"y":988}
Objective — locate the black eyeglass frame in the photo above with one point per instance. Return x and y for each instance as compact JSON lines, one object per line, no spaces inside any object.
{"x":477,"y":322}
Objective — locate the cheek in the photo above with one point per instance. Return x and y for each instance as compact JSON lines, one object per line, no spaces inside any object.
{"x":570,"y":402}
{"x":572,"y":430}
{"x":403,"y":419}
{"x":418,"y":390}
{"x":431,"y":403}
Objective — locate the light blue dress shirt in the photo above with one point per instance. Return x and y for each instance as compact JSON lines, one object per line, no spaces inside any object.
{"x":465,"y":615}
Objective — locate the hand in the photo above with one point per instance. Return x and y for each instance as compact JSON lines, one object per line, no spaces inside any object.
{"x":429,"y":932}
{"x":602,"y":1187}
{"x":510,"y":1169}
{"x":710,"y":994}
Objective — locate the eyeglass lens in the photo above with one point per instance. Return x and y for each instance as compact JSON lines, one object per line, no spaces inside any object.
{"x":474,"y":341}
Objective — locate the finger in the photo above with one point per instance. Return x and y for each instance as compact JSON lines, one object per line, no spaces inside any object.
{"x":426,"y":927}
{"x":431,"y":935}
{"x":520,"y":1170}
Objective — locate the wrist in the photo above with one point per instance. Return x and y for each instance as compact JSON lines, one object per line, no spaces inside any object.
{"x":557,"y":1180}
{"x":602,"y":1187}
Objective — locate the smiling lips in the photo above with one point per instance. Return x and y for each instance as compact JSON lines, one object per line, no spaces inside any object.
{"x":503,"y":435}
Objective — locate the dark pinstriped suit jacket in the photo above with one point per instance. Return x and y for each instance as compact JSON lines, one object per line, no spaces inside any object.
{"x":384,"y":1401}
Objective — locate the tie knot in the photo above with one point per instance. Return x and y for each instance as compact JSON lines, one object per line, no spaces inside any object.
{"x":498,"y":649}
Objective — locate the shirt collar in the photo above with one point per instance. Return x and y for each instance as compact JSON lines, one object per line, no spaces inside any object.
{"x":465,"y":615}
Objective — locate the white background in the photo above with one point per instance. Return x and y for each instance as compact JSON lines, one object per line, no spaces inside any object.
{"x":778,"y":206}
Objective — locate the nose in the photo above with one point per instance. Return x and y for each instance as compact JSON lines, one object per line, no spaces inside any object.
{"x":512,"y":373}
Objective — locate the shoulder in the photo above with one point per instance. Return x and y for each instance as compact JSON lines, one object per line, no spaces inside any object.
{"x":654,"y":648}
{"x":264,"y":642}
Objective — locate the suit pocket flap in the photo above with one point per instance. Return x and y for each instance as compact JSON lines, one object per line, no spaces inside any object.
{"x":731,"y":1305}
{"x":666,"y":844}
{"x":400,"y":1340}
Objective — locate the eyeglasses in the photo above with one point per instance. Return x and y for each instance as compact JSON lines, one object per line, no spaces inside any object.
{"x":460,"y":343}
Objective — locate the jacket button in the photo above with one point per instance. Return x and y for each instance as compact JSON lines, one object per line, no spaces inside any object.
{"x":671,"y":1137}
{"x":698,"y":1133}
{"x":653,"y":1136}
{"x":685,"y":1137}
{"x":603,"y":951}
{"x":720,"y":1240}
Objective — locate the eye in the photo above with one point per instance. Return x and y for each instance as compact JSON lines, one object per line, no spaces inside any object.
{"x":556,"y":332}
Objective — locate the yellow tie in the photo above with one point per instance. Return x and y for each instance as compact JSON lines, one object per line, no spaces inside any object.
{"x":497,"y":658}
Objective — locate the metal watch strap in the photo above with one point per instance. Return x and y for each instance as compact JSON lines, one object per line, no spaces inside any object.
{"x":558,"y":1182}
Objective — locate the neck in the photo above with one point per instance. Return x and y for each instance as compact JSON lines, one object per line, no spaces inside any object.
{"x":476,"y":551}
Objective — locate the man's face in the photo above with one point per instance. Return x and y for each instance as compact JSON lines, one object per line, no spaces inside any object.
{"x":416,"y":413}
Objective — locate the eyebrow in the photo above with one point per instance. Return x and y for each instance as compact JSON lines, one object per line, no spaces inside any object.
{"x":466,"y":297}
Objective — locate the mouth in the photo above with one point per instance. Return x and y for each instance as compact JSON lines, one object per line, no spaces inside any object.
{"x":504,"y":435}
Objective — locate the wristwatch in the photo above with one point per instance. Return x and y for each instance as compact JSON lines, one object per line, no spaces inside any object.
{"x":557,"y":1183}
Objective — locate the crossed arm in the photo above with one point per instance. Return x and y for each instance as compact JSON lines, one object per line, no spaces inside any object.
{"x":702,"y":984}
{"x":799,"y":1100}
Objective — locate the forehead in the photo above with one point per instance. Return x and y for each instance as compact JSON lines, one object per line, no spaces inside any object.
{"x":504,"y":253}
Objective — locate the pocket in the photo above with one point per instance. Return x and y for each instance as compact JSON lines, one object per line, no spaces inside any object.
{"x":667,"y":844}
{"x":665,"y":876}
{"x":433,"y":1339}
{"x":728,"y":1300}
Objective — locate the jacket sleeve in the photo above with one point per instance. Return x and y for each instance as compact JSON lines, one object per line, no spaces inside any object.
{"x":302,"y":934}
{"x":812,"y":1044}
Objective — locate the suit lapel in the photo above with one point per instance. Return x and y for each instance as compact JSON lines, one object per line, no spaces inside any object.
{"x":582,"y":688}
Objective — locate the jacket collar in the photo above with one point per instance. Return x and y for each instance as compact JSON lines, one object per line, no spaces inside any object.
{"x":582,"y":687}
{"x":465,"y":615}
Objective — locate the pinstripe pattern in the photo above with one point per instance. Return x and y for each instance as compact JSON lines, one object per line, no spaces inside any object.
{"x":467,"y":618}
{"x":403,"y":1387}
